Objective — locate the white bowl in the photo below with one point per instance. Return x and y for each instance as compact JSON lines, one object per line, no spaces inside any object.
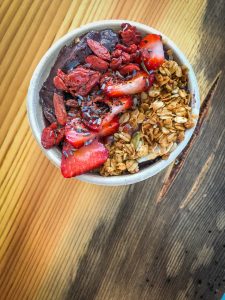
{"x":41,"y":72}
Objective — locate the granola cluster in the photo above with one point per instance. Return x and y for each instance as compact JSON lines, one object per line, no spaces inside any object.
{"x":156,"y":125}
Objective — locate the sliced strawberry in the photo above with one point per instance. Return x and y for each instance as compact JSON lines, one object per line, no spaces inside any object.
{"x":128,"y":69}
{"x":152,"y":52}
{"x":77,"y":134}
{"x":83,"y":160}
{"x":51,"y":136}
{"x":92,"y":121}
{"x":137,"y":84}
{"x":98,"y":49}
{"x":117,"y":106}
{"x":109,"y":128}
{"x":60,"y":110}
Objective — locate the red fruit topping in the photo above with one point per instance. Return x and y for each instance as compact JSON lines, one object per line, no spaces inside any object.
{"x":97,"y":63}
{"x":51,"y":136}
{"x":117,"y":106}
{"x":109,"y":128}
{"x":80,"y":81}
{"x":125,"y":57}
{"x":59,"y":84}
{"x":83,"y":160}
{"x":77,"y":134}
{"x":152,"y":52}
{"x":129,"y":34}
{"x":116,"y":63}
{"x":128,"y":69}
{"x":72,"y":103}
{"x":60,"y":110}
{"x":137,"y":84}
{"x":131,"y":49}
{"x":98,"y":49}
{"x":117,"y":53}
{"x":92,"y":117}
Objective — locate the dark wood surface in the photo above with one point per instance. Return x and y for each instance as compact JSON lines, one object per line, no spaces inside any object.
{"x":163,"y":238}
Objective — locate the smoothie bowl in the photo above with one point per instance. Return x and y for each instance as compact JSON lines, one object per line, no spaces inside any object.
{"x":113,"y":102}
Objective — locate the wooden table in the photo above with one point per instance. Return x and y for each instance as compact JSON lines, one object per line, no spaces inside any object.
{"x":64,"y":239}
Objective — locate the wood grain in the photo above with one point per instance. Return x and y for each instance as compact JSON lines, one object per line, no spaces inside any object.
{"x":65,"y":239}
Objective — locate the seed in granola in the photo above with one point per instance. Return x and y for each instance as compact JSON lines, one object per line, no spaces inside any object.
{"x":168,"y":87}
{"x":170,"y":54}
{"x":142,"y":151}
{"x":182,"y":93}
{"x":144,"y":96}
{"x":121,"y":166}
{"x":140,"y":118}
{"x":180,"y":136}
{"x":123,"y":136}
{"x":179,"y":127}
{"x":157,"y":104}
{"x":165,"y":156}
{"x":165,"y":130}
{"x":145,"y":106}
{"x":154,"y":93}
{"x":162,"y":71}
{"x":178,"y":71}
{"x":132,"y":166}
{"x":180,"y":119}
{"x":159,"y":78}
{"x":124,"y":118}
{"x":136,"y":137}
{"x":189,"y":124}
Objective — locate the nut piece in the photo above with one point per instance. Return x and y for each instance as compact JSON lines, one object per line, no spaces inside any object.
{"x":136,"y":138}
{"x":180,"y":119}
{"x":124,"y":118}
{"x":132,"y":166}
{"x":153,"y":92}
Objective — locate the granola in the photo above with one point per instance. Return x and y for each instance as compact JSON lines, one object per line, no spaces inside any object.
{"x":160,"y":120}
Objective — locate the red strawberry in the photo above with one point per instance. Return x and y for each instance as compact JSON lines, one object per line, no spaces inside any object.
{"x":60,"y":110}
{"x":77,"y":133}
{"x":51,"y":136}
{"x":83,"y":160}
{"x":91,"y":119}
{"x":152,"y":52}
{"x":137,"y":84}
{"x":117,"y":106}
{"x":110,"y":127}
{"x":98,"y":49}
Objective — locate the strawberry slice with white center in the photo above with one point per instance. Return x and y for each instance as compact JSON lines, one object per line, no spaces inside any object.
{"x":77,"y":133}
{"x":152,"y":53}
{"x":109,"y":128}
{"x":83,"y":160}
{"x":117,"y":106}
{"x":139,"y":83}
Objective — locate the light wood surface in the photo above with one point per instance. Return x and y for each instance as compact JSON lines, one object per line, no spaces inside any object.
{"x":64,"y":239}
